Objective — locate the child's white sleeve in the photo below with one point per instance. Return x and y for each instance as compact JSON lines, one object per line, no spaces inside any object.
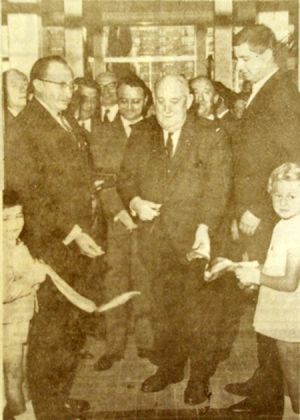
{"x":276,"y":261}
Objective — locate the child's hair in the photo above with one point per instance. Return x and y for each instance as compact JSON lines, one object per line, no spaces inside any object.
{"x":289,"y":171}
{"x":10,"y":199}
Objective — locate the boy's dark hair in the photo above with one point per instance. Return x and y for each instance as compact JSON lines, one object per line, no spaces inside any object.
{"x":10,"y":199}
{"x":259,"y":37}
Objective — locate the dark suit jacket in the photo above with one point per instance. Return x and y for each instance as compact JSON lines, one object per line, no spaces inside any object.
{"x":107,"y":148}
{"x":192,"y":189}
{"x":268,"y":137}
{"x":48,"y":167}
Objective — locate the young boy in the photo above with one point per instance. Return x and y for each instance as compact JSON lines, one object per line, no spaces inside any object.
{"x":277,"y":313}
{"x":22,"y":276}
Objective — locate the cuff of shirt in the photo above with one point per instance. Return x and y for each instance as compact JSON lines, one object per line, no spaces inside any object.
{"x":72,"y":235}
{"x":132,"y":205}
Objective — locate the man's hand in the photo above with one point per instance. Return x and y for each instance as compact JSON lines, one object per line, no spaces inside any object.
{"x":124,"y":217}
{"x":88,"y":246}
{"x":146,"y":210}
{"x":249,"y":223}
{"x":201,"y":244}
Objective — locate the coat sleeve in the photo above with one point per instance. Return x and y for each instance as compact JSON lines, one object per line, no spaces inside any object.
{"x":218,"y":181}
{"x":128,"y":179}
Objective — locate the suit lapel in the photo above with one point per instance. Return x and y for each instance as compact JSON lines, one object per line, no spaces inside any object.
{"x":181,"y":152}
{"x":260,"y":98}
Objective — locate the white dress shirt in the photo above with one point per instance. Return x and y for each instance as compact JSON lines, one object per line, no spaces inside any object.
{"x":112,"y":112}
{"x":175,"y":138}
{"x":127,"y":125}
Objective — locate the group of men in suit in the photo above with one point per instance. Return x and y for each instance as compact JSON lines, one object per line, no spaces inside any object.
{"x":166,"y":182}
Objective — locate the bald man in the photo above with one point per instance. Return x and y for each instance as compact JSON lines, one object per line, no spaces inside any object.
{"x":15,"y":84}
{"x":175,"y":181}
{"x":107,"y":82}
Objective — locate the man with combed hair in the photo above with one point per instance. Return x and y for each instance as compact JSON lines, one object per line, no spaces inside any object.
{"x":175,"y":180}
{"x":269,"y":136}
{"x":108,"y":82}
{"x":46,"y":163}
{"x":108,"y":147}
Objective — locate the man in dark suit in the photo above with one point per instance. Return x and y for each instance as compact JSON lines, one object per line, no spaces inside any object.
{"x":175,"y":179}
{"x":46,"y":162}
{"x":269,"y":136}
{"x":108,"y":147}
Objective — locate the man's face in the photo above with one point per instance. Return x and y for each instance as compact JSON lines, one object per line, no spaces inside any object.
{"x":13,"y":222}
{"x":108,"y":89}
{"x":205,"y":97}
{"x":131,"y":102}
{"x":286,"y":198}
{"x":16,"y":88}
{"x":56,"y":88}
{"x":88,"y":103}
{"x":171,"y":104}
{"x":254,"y":66}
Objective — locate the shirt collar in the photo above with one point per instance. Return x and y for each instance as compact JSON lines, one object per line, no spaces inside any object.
{"x":256,"y":87}
{"x":113,"y":110}
{"x":127,"y":124}
{"x":175,"y":135}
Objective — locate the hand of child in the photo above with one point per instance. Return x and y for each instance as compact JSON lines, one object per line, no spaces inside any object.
{"x":248,"y":275}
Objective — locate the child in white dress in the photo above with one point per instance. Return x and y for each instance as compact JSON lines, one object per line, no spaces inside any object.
{"x":22,"y":276}
{"x":278,"y":308}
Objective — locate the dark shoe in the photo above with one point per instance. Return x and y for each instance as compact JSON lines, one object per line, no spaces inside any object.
{"x":76,"y":407}
{"x":85,"y":354}
{"x":243,"y":406}
{"x":160,"y":380}
{"x":149,"y":354}
{"x":244,"y":389}
{"x":106,"y":361}
{"x":196,"y":393}
{"x":257,"y":407}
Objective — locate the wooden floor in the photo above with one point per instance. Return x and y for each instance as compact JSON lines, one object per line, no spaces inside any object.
{"x":116,"y":394}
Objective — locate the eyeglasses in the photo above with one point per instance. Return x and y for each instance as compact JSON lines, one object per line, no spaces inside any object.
{"x":108,"y":86}
{"x":63,"y":85}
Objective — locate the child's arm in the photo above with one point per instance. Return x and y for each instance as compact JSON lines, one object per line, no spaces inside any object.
{"x":290,"y":281}
{"x":286,"y":283}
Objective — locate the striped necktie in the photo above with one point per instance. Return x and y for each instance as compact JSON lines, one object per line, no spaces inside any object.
{"x":169,"y":146}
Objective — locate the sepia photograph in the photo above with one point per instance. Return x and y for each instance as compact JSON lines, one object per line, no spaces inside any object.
{"x":150,"y":230}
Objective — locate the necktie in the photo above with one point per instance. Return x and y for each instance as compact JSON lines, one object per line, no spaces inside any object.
{"x":64,"y":123}
{"x":105,"y":118}
{"x":169,"y":146}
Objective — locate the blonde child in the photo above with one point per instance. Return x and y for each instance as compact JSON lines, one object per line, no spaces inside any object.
{"x":22,"y":276}
{"x":278,"y":308}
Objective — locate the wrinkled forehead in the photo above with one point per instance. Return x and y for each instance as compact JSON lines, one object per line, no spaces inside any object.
{"x":202,"y":84}
{"x":125,"y":90}
{"x":171,"y":88}
{"x":106,"y":78}
{"x":245,"y":49}
{"x":87,"y":91}
{"x":15,"y":76}
{"x":59,"y":72}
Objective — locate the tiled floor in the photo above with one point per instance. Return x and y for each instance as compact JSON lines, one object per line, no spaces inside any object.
{"x":116,"y":394}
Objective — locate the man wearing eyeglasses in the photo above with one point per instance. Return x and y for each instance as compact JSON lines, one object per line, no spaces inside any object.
{"x":107,"y":82}
{"x":269,"y":136}
{"x":46,"y":162}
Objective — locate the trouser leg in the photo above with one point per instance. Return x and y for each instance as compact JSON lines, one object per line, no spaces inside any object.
{"x":117,"y":281}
